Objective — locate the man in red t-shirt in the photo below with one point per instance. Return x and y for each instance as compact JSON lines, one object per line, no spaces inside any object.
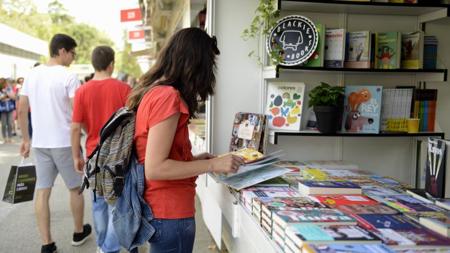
{"x":93,"y":105}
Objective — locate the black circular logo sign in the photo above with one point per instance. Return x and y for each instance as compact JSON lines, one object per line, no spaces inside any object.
{"x":295,"y":38}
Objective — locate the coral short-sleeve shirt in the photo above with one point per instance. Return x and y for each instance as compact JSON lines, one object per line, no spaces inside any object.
{"x":94,"y":103}
{"x":169,"y":199}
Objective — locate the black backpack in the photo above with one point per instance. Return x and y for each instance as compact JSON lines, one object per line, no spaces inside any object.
{"x":108,"y":164}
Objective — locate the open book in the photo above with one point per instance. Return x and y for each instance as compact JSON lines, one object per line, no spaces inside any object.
{"x":258,"y":168}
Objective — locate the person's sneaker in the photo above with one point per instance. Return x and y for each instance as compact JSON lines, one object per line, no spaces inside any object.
{"x":80,"y":238}
{"x":49,"y":248}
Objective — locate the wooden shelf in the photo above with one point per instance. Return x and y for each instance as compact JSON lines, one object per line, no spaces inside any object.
{"x":437,"y":75}
{"x":382,"y":135}
{"x":426,"y":12}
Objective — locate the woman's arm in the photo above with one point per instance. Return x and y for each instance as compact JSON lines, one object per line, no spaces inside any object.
{"x":158,"y":166}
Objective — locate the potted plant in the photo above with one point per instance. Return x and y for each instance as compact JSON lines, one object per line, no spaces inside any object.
{"x":327,"y":102}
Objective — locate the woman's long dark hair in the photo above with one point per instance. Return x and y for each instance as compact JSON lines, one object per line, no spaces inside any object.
{"x":187,"y":63}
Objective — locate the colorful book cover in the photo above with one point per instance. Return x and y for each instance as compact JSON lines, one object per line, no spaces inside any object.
{"x":353,"y":248}
{"x":424,"y":237}
{"x":388,"y":50}
{"x":386,"y":181}
{"x":335,"y":48}
{"x":395,"y":222}
{"x":249,"y":131}
{"x":392,"y":238}
{"x":290,"y":203}
{"x":312,"y":233}
{"x":317,"y":58}
{"x":285,"y":105}
{"x":425,"y":108}
{"x":362,"y":108}
{"x":412,"y":50}
{"x":314,"y":174}
{"x":358,"y":50}
{"x":379,"y":191}
{"x":435,"y":168}
{"x":322,"y":216}
{"x":248,"y":194}
{"x":338,"y":200}
{"x":406,"y":203}
{"x":367,"y":209}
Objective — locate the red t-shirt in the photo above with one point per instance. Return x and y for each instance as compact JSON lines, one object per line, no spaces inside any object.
{"x":169,"y":199}
{"x":94,"y":103}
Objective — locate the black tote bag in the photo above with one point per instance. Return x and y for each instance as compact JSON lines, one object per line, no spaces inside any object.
{"x":21,"y":183}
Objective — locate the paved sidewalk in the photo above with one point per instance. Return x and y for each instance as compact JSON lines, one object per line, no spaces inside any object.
{"x":19,"y":233}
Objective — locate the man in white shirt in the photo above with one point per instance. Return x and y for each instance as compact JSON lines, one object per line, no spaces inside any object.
{"x":49,"y":90}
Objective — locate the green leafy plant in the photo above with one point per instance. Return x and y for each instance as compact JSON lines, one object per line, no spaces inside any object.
{"x":325,"y":94}
{"x":266,"y":16}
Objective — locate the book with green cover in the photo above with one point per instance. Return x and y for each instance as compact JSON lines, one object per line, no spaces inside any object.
{"x":317,"y":58}
{"x":388,"y":50}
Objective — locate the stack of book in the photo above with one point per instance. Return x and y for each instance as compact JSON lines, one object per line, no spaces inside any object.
{"x":380,"y":217}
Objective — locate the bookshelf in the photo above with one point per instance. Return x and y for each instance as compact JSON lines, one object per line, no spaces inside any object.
{"x":361,"y":135}
{"x":360,"y":16}
{"x":434,"y":75}
{"x":426,"y":12}
{"x":241,"y":86}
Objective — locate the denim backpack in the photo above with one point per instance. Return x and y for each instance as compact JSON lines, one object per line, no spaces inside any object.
{"x":108,"y":164}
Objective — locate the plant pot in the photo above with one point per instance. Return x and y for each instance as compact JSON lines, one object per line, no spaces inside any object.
{"x":327,"y":119}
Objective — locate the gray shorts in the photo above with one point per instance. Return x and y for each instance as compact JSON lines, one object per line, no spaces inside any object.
{"x":50,"y":162}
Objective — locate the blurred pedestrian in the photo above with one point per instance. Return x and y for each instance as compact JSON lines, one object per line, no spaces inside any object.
{"x":49,"y":90}
{"x":94,"y":103}
{"x":7,"y":107}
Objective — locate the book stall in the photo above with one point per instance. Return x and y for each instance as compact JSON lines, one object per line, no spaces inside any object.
{"x":344,"y":152}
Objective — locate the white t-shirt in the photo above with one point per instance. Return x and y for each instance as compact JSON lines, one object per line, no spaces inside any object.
{"x":49,"y":90}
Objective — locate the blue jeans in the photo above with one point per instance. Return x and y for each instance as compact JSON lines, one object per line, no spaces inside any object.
{"x":106,"y":235}
{"x":173,"y":236}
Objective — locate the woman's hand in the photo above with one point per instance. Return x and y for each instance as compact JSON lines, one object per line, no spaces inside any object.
{"x":225,"y":164}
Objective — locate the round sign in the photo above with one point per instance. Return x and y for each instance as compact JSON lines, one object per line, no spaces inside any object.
{"x":295,"y":37}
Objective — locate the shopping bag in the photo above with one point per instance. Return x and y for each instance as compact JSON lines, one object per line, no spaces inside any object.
{"x":20,"y":184}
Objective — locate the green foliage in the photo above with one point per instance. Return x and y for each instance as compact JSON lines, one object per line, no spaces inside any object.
{"x":266,"y":16}
{"x":126,"y":63}
{"x":58,"y":13}
{"x":325,"y":94}
{"x":23,"y":16}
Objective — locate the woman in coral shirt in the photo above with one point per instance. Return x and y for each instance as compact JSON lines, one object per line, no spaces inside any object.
{"x":164,"y":101}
